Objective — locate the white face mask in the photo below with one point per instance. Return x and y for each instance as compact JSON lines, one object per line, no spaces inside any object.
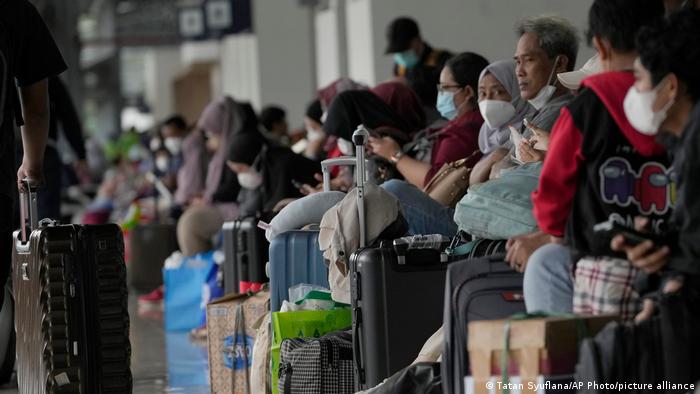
{"x":154,"y":144}
{"x":162,"y":163}
{"x":546,"y":93}
{"x":173,"y":145}
{"x":496,"y":112}
{"x":313,"y":134}
{"x":638,"y":109}
{"x":346,"y":147}
{"x":250,"y":179}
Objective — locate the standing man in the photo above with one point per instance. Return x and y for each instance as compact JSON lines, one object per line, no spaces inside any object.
{"x":29,"y":58}
{"x":63,"y":112}
{"x":416,"y":61}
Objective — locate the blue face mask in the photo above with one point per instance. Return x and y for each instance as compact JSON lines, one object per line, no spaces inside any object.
{"x":407,"y":59}
{"x":446,"y":105}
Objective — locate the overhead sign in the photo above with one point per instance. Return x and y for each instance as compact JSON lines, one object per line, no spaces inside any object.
{"x":192,"y":24}
{"x":215,"y":19}
{"x":147,"y":23}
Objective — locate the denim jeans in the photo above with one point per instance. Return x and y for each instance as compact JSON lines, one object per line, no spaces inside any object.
{"x":549,"y":284}
{"x":423,"y":214}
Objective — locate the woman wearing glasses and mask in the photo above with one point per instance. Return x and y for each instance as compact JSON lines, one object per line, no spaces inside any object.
{"x":458,"y":139}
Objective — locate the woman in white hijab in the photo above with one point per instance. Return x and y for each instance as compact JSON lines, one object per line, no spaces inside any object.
{"x":501,"y":106}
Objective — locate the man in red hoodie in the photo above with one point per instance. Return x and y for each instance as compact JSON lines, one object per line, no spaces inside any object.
{"x":598,"y":168}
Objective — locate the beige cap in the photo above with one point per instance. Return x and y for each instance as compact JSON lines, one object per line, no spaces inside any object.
{"x":572,"y":79}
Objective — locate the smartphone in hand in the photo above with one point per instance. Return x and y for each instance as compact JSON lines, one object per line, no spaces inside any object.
{"x":632,"y":236}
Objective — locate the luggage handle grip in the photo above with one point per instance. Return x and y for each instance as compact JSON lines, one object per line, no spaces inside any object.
{"x":356,"y":348}
{"x":28,"y":211}
{"x":326,"y":168}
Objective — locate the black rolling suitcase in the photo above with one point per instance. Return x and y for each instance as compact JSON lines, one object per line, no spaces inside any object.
{"x":397,"y":305}
{"x":246,"y":252}
{"x":396,"y":295}
{"x":482,"y":288}
{"x":150,"y":245}
{"x":71,"y":317}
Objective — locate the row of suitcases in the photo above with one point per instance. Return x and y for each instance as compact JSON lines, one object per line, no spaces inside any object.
{"x":400,"y":298}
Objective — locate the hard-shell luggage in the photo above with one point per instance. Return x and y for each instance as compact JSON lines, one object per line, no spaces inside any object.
{"x":71,"y":319}
{"x":246,"y":253}
{"x":475,"y":289}
{"x":294,"y":258}
{"x":397,"y":305}
{"x":150,"y":245}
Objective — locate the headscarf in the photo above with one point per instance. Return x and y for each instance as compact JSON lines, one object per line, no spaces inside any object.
{"x":328,"y":93}
{"x":491,"y":139}
{"x":223,"y":118}
{"x":190,"y":177}
{"x":403,"y":101}
{"x":246,"y":147}
{"x":353,"y":108}
{"x":314,"y":111}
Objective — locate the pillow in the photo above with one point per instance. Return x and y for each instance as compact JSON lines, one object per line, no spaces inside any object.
{"x":500,"y":208}
{"x":304,"y":211}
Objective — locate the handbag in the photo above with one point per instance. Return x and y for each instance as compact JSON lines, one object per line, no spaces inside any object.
{"x":450,"y":184}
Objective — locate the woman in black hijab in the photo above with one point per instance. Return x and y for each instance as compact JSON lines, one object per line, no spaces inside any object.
{"x":265,"y":172}
{"x":355,"y":107}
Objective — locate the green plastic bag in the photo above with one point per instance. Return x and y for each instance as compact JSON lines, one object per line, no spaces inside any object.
{"x":303,"y":324}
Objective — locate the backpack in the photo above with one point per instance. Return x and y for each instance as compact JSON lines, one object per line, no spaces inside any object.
{"x":657,"y":352}
{"x":500,"y":208}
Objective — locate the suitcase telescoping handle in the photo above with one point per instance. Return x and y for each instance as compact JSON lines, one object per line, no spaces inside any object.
{"x":360,"y":138}
{"x":28,"y":211}
{"x":326,"y":166}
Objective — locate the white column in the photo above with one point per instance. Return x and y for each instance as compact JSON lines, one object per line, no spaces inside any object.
{"x":360,"y":39}
{"x":162,"y":65}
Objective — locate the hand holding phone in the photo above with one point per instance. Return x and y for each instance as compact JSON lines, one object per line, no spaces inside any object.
{"x":632,"y":236}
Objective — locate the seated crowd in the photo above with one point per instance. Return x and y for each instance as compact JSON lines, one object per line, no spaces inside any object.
{"x":615,"y":141}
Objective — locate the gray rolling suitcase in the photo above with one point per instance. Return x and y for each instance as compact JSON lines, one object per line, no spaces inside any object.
{"x":475,"y":289}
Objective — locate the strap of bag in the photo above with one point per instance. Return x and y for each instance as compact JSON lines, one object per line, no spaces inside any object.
{"x":581,"y":331}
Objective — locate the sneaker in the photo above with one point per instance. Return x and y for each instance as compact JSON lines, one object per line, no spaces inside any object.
{"x":154,"y":297}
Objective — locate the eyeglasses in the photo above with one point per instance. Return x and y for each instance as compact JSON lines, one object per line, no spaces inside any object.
{"x":445,"y":88}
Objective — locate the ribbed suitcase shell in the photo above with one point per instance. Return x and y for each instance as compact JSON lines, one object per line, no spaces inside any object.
{"x":72,"y":317}
{"x":295,"y":258}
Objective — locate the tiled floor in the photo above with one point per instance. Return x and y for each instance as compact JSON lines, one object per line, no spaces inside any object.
{"x":161,"y":362}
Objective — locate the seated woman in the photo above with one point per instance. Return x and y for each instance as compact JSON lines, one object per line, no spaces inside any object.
{"x":404,"y":101}
{"x":353,"y":108}
{"x":501,"y":106}
{"x":267,"y":173}
{"x":222,"y":121}
{"x":457,"y":101}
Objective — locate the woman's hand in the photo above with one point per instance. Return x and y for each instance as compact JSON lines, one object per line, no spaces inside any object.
{"x":540,"y":137}
{"x":528,"y":154}
{"x":384,"y":147}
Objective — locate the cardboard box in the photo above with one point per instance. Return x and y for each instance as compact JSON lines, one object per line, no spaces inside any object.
{"x":230,"y":335}
{"x":540,"y":346}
